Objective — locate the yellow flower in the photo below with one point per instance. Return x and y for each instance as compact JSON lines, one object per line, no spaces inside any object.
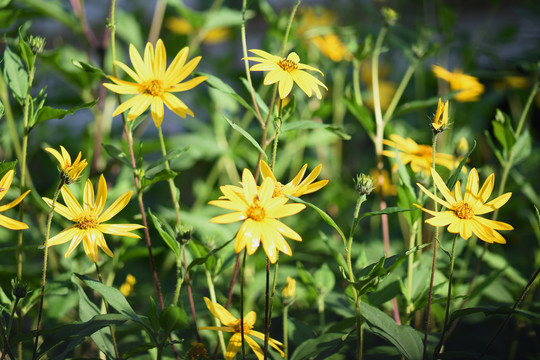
{"x":233,"y":325}
{"x":285,"y":72}
{"x":89,"y":220}
{"x":387,"y":89}
{"x":331,"y":46}
{"x":296,"y":187}
{"x":462,"y":214}
{"x":69,"y":171}
{"x":289,"y":291}
{"x":440,"y":121}
{"x":387,"y":188}
{"x":260,"y":212}
{"x":470,"y":88}
{"x":155,"y":83}
{"x":313,"y":18}
{"x":420,"y":156}
{"x":6,"y":222}
{"x":181,"y":26}
{"x":127,"y":287}
{"x":462,"y":147}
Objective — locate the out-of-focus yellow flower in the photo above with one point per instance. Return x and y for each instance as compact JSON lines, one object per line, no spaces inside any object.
{"x":289,"y":291}
{"x":296,"y":187}
{"x":69,"y":172}
{"x":6,"y":222}
{"x":387,"y":188}
{"x":387,"y":89}
{"x":127,"y":287}
{"x":234,"y":325}
{"x":260,"y":212}
{"x":197,"y":351}
{"x":286,"y":72}
{"x":516,"y":82}
{"x":332,"y":47}
{"x":419,"y":156}
{"x":155,"y":83}
{"x":312,"y":18}
{"x":440,"y":121}
{"x":181,"y":26}
{"x":462,"y":147}
{"x":462,"y":214}
{"x":89,"y":220}
{"x":470,"y":87}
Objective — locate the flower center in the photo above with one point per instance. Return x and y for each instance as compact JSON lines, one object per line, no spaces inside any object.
{"x":152,"y":87}
{"x":87,"y":221}
{"x":287,"y":65}
{"x":238,"y":328}
{"x":256,"y":211}
{"x":463,"y":210}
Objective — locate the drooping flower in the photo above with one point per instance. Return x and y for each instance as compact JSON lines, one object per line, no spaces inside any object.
{"x":69,"y":171}
{"x":462,"y":216}
{"x":181,"y":26}
{"x":285,"y":72}
{"x":6,"y":222}
{"x":288,"y":293}
{"x":155,"y":83}
{"x":233,"y":325}
{"x":470,"y":87}
{"x":260,"y":212}
{"x":440,"y":121}
{"x":296,"y":187}
{"x":89,"y":220}
{"x":419,"y":156}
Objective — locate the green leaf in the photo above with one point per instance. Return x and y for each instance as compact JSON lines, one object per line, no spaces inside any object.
{"x":490,"y":311}
{"x":263,"y":108}
{"x":26,"y":52}
{"x":324,"y":279}
{"x":388,"y":211}
{"x":87,"y":310}
{"x":362,"y":114}
{"x":166,"y":234}
{"x":115,"y":299}
{"x":502,"y":129}
{"x":162,"y":175}
{"x":522,"y":147}
{"x":1,"y":110}
{"x":88,"y":68}
{"x":322,"y":214}
{"x":322,"y":347}
{"x":288,"y":110}
{"x":407,"y":340}
{"x":310,"y":124}
{"x":48,"y":113}
{"x":225,"y":17}
{"x":118,"y":155}
{"x":494,"y":148}
{"x":15,"y":74}
{"x":6,"y":166}
{"x":247,"y":136}
{"x":173,"y":318}
{"x":455,"y":174}
{"x":202,"y":259}
{"x":218,"y":84}
{"x":54,"y":9}
{"x":171,"y":155}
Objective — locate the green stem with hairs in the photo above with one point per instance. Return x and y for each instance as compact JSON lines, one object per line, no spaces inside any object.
{"x":179,"y":277}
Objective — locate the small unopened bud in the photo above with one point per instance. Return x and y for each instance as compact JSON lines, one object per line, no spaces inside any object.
{"x":365,"y":184}
{"x":289,"y":291}
{"x":183,"y":234}
{"x":390,"y":16}
{"x":440,"y":121}
{"x":197,"y":351}
{"x":20,"y":289}
{"x":37,"y":43}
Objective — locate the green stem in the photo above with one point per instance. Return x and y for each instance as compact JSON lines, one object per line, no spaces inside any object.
{"x":277,"y":124}
{"x":376,"y":95}
{"x":435,"y":247}
{"x":5,"y":349}
{"x":448,"y":297}
{"x":399,"y":92}
{"x":270,"y":304}
{"x":157,"y":20}
{"x":285,"y":332}
{"x":174,"y":196}
{"x":179,"y":277}
{"x":242,"y":305}
{"x":45,"y":256}
{"x":212,"y":291}
{"x":113,"y":337}
{"x":293,"y":12}
{"x":356,"y":82}
{"x":410,"y":263}
{"x":4,"y":95}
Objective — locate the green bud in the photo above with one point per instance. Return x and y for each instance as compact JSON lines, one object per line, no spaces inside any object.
{"x":365,"y":184}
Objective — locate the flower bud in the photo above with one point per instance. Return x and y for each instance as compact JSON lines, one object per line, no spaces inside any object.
{"x":440,"y":121}
{"x":20,"y":289}
{"x":365,"y":184}
{"x":289,"y":291}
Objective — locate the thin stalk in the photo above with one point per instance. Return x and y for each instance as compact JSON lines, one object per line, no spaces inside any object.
{"x":399,"y":92}
{"x":172,"y":189}
{"x":6,"y":349}
{"x":277,"y":123}
{"x":191,"y":302}
{"x":213,"y":297}
{"x":233,"y":280}
{"x":157,"y":21}
{"x":435,"y":247}
{"x":410,"y":263}
{"x":134,"y":166}
{"x":4,"y":96}
{"x":285,"y":332}
{"x":320,"y":305}
{"x":242,"y":305}
{"x":356,"y":82}
{"x":113,"y":337}
{"x":288,"y":30}
{"x":266,"y":306}
{"x":44,"y":271}
{"x":270,"y":305}
{"x":179,"y":277}
{"x":447,"y":309}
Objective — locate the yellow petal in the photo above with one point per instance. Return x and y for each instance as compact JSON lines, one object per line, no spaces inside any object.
{"x":228,"y":218}
{"x":12,"y":224}
{"x":495,"y":225}
{"x":176,"y":105}
{"x":176,"y":65}
{"x":157,"y":111}
{"x":144,"y":100}
{"x":5,"y":183}
{"x":116,"y":207}
{"x":493,"y":204}
{"x":187,"y":85}
{"x":285,"y":85}
{"x":14,"y":202}
{"x":442,"y":187}
{"x":220,"y":312}
{"x":120,"y":229}
{"x":433,"y":197}
{"x":232,"y":348}
{"x":71,"y":202}
{"x":101,"y":197}
{"x":254,"y":346}
{"x":88,"y":196}
{"x":64,"y":236}
{"x":266,"y":171}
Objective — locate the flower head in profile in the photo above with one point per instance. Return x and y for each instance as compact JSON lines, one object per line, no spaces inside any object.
{"x":331,"y":46}
{"x":260,"y":212}
{"x":296,"y":187}
{"x":469,"y":86}
{"x":90,"y":220}
{"x":419,"y":156}
{"x":286,"y":72}
{"x":6,"y":222}
{"x":440,"y":121}
{"x":462,"y":214}
{"x":69,"y":171}
{"x":234,"y":325}
{"x":288,"y":293}
{"x":155,"y":83}
{"x":181,"y":26}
